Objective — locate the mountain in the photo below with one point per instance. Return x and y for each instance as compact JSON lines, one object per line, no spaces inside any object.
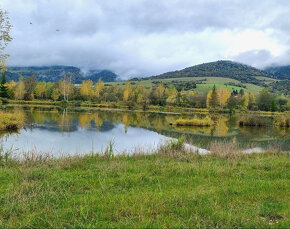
{"x":281,"y":72}
{"x":227,"y":69}
{"x":55,"y":73}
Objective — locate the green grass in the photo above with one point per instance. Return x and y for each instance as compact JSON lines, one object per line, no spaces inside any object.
{"x":201,"y":88}
{"x":181,"y":190}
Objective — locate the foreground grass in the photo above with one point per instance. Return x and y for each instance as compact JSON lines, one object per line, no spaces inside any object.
{"x":185,"y":190}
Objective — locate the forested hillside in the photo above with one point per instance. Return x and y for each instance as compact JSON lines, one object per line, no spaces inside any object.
{"x":281,"y":72}
{"x":55,"y":73}
{"x":228,"y":69}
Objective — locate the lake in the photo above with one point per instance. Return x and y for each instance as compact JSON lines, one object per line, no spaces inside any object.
{"x":59,"y":131}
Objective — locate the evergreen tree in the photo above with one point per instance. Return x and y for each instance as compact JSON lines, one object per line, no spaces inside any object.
{"x":232,"y":102}
{"x":214,"y":101}
{"x":3,"y":87}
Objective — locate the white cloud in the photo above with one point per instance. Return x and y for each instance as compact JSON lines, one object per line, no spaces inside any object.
{"x":147,"y":37}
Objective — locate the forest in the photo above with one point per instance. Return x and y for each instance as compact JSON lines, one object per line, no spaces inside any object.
{"x":160,"y":94}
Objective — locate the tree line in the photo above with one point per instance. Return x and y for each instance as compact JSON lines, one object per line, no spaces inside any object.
{"x":129,"y":95}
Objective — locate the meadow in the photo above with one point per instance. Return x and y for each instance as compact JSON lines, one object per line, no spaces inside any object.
{"x":171,"y":188}
{"x":205,"y":87}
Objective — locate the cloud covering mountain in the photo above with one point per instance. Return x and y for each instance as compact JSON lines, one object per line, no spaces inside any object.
{"x":147,"y":37}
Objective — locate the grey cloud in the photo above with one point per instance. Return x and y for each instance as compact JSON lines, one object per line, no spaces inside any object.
{"x":263,"y":58}
{"x":140,"y":37}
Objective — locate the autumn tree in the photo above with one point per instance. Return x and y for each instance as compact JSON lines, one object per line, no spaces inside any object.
{"x":160,"y":95}
{"x":127,"y":95}
{"x":5,"y":37}
{"x":212,"y":98}
{"x":86,"y":90}
{"x":99,"y":87}
{"x":20,"y":89}
{"x":30,"y":84}
{"x":66,"y":87}
{"x":252,"y":101}
{"x":11,"y":89}
{"x":141,"y":96}
{"x":223,"y":96}
{"x":40,"y":90}
{"x":55,"y":94}
{"x":244,"y":101}
{"x":172,"y":96}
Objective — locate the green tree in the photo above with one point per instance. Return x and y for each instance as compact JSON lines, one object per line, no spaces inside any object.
{"x":3,"y":87}
{"x":252,"y":101}
{"x":264,"y":100}
{"x":232,"y":102}
{"x":213,"y":98}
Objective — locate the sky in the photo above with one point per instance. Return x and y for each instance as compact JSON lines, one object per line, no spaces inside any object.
{"x":138,"y":38}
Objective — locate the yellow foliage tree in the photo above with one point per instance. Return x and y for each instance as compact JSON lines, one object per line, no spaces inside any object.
{"x":86,"y":89}
{"x":20,"y":89}
{"x":55,"y":94}
{"x":99,"y":87}
{"x":160,"y":91}
{"x":245,"y":101}
{"x":223,"y":96}
{"x":40,"y":89}
{"x":127,"y":92}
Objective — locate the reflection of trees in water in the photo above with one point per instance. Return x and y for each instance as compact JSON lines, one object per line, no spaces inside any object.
{"x":225,"y":126}
{"x":220,"y":126}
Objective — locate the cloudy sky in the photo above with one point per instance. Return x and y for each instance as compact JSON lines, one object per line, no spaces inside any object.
{"x":147,"y":37}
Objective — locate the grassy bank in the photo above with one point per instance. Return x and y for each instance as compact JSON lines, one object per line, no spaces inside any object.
{"x":161,"y":190}
{"x":11,"y":121}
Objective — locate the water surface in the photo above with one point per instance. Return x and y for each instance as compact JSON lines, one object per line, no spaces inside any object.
{"x":72,"y":131}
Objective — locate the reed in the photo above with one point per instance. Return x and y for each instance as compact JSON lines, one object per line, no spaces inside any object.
{"x":282,"y":121}
{"x":11,"y":121}
{"x":253,"y":120}
{"x":194,"y":122}
{"x":225,"y":149}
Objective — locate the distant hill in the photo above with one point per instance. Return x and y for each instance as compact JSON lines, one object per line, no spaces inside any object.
{"x":227,"y":69}
{"x":55,"y":73}
{"x":281,"y":72}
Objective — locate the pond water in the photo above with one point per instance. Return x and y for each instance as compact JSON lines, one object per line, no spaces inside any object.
{"x":59,"y":132}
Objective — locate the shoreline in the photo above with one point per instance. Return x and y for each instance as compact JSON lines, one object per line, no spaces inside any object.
{"x":149,"y":109}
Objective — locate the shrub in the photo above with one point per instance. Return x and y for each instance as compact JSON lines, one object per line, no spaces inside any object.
{"x":11,"y":121}
{"x":282,"y":121}
{"x":194,"y":122}
{"x":253,"y":120}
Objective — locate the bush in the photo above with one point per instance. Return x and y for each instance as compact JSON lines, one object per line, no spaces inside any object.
{"x":11,"y":121}
{"x":194,"y":122}
{"x":282,"y":121}
{"x":253,"y":120}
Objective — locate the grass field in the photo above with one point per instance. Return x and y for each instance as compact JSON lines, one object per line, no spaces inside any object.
{"x":201,"y":88}
{"x":161,"y":190}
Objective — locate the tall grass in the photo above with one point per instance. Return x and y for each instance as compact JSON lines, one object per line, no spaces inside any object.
{"x":194,"y":122}
{"x":147,"y":191}
{"x":225,"y":149}
{"x":253,"y":120}
{"x":11,"y":121}
{"x":282,"y":121}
